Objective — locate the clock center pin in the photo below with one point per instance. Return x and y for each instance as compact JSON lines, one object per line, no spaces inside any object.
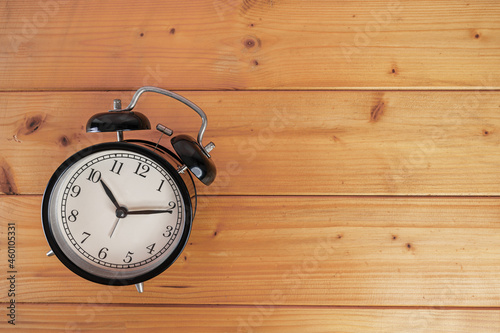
{"x":121,"y":212}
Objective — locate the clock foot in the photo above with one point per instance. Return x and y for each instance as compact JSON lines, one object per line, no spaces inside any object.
{"x":140,"y":287}
{"x":50,"y":253}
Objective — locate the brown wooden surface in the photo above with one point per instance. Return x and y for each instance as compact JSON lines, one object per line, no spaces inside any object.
{"x":249,"y":44}
{"x":111,"y":318}
{"x":356,"y":251}
{"x":357,"y":187}
{"x":332,"y":143}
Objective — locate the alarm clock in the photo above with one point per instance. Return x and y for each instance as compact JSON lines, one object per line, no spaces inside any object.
{"x":120,"y":213}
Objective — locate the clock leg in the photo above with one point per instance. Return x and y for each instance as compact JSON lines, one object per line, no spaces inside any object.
{"x":50,"y":253}
{"x":140,"y":287}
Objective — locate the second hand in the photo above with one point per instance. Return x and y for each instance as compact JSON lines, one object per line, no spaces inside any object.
{"x":114,"y":227}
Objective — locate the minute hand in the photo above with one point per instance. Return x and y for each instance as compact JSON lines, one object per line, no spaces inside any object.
{"x":148,"y":212}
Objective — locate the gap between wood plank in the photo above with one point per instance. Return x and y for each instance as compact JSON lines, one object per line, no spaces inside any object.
{"x":326,"y":89}
{"x":276,"y":306}
{"x":339,"y":196}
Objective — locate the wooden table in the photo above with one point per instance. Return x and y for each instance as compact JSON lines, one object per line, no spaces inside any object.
{"x":358,"y":180}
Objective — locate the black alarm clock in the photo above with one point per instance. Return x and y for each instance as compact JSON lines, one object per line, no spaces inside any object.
{"x":120,"y":213}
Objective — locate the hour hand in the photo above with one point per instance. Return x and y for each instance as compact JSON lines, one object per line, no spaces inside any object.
{"x":148,"y":212}
{"x":110,"y":195}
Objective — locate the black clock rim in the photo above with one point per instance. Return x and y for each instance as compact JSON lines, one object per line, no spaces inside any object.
{"x":118,"y":281}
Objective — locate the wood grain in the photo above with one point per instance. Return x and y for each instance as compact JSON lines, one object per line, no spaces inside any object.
{"x":110,"y":318}
{"x":328,"y":143}
{"x":355,"y":251}
{"x":249,"y":44}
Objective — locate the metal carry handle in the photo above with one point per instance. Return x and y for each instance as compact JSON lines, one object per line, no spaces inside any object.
{"x":180,"y":98}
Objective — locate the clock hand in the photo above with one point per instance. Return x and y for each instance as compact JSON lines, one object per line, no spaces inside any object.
{"x":147,"y":212}
{"x":110,"y":195}
{"x":114,"y":227}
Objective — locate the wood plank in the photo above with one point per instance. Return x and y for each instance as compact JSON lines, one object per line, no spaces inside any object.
{"x":303,"y":143}
{"x":240,"y":44}
{"x":99,"y":317}
{"x":350,"y":251}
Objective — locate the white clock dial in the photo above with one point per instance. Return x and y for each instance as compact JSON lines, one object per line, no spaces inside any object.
{"x":117,"y":213}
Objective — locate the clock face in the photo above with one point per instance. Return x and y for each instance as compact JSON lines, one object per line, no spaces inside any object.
{"x":117,"y":215}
